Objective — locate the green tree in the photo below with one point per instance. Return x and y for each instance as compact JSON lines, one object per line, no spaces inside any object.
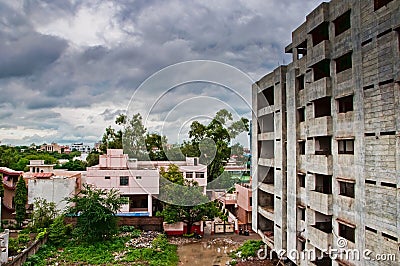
{"x":95,"y":210}
{"x":93,"y":159}
{"x":44,"y":213}
{"x":184,"y":200}
{"x":212,"y":141}
{"x":155,"y":144}
{"x":21,"y":197}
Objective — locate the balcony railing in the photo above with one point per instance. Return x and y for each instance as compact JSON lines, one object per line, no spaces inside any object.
{"x":320,"y":238}
{"x":320,"y":202}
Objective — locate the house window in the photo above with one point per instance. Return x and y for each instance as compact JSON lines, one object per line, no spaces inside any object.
{"x":346,"y":146}
{"x":346,"y":189}
{"x":251,"y":201}
{"x":347,"y":232}
{"x":107,"y":177}
{"x":342,"y":23}
{"x":138,"y":177}
{"x":199,"y":175}
{"x":343,"y":63}
{"x":189,"y":175}
{"x":302,"y":147}
{"x":302,"y":180}
{"x":301,"y":113}
{"x":123,"y":180}
{"x":380,"y":3}
{"x":345,"y":104}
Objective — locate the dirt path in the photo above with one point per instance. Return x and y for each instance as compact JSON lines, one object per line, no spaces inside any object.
{"x":211,"y":250}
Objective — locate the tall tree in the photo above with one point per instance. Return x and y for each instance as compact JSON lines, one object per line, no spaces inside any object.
{"x":184,"y":200}
{"x":212,"y":141}
{"x":21,"y":198}
{"x":96,"y":209}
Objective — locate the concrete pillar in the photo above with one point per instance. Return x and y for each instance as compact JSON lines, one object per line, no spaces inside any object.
{"x":150,"y":205}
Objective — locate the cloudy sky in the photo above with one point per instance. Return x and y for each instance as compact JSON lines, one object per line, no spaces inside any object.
{"x":67,"y":68}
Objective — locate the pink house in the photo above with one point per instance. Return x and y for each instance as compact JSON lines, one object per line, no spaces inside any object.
{"x":138,"y":180}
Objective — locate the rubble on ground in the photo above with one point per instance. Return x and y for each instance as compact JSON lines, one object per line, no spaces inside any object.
{"x":143,"y":241}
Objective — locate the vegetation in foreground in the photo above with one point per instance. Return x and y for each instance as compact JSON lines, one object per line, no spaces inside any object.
{"x":113,"y":251}
{"x":248,"y":250}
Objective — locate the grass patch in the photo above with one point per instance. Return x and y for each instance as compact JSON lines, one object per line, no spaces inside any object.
{"x":107,"y":252}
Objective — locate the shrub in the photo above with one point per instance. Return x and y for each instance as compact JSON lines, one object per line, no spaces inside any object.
{"x":248,"y":249}
{"x":58,"y":231}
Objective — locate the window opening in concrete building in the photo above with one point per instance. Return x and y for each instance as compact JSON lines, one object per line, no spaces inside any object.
{"x":371,"y":229}
{"x":323,"y":183}
{"x":269,"y":177}
{"x":322,"y":107}
{"x":302,"y":115}
{"x":302,"y":147}
{"x":266,"y":201}
{"x":347,"y":232}
{"x":269,"y":95}
{"x":322,"y":69}
{"x":390,"y":237}
{"x":107,"y":177}
{"x":385,"y":184}
{"x":302,"y":180}
{"x":302,"y":212}
{"x":138,"y":177}
{"x":380,"y":3}
{"x":320,"y":33}
{"x":266,"y":149}
{"x":323,"y":145}
{"x":123,"y":180}
{"x":302,"y":49}
{"x":342,"y":23}
{"x":346,"y":189}
{"x":346,"y":146}
{"x":323,"y":222}
{"x":300,"y":82}
{"x":345,"y":104}
{"x":371,"y":182}
{"x":344,"y":62}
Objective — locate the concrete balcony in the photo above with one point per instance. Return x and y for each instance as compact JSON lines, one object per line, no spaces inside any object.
{"x":319,"y":52}
{"x":321,"y":164}
{"x":301,"y":97}
{"x":302,"y":163}
{"x":317,"y":16}
{"x":266,"y":136}
{"x":267,"y":237}
{"x":343,"y":44}
{"x":318,"y":238}
{"x":320,"y":126}
{"x":319,"y":89}
{"x":266,"y":110}
{"x":269,"y":188}
{"x":302,"y":130}
{"x":266,"y":162}
{"x":320,"y":202}
{"x":267,"y":212}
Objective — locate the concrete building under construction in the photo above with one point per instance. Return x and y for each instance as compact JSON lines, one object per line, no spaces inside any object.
{"x":326,"y":138}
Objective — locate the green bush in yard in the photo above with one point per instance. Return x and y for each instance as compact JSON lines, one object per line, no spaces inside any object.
{"x":248,"y":249}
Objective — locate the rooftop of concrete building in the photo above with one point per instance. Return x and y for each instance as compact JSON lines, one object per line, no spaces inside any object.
{"x":8,"y":171}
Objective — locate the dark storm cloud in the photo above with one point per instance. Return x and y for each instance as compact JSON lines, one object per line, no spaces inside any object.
{"x":79,"y":54}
